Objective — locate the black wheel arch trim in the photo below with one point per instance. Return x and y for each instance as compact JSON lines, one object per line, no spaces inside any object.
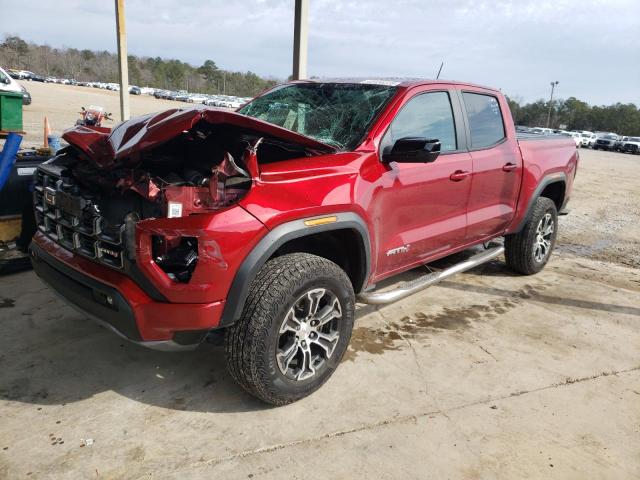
{"x":559,"y":177}
{"x":277,"y":237}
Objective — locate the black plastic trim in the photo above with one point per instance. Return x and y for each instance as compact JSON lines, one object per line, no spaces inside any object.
{"x":559,"y":177}
{"x":186,"y":338}
{"x":86,"y":294}
{"x":134,"y":272}
{"x":274,"y":240}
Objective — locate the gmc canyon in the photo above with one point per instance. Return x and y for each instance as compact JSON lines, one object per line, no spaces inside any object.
{"x":269,"y":223}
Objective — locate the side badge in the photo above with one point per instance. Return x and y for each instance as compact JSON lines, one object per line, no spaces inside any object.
{"x":402,"y":249}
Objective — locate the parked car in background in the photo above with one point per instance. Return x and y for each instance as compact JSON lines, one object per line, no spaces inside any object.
{"x":542,"y":131}
{"x":135,"y":90}
{"x":577,"y":138}
{"x":196,"y":98}
{"x":9,"y":84}
{"x":605,"y":142}
{"x":630,"y":145}
{"x":588,"y":138}
{"x":617,"y":146}
{"x":26,"y":96}
{"x":13,"y":73}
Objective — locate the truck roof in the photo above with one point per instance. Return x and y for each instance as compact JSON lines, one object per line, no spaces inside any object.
{"x":405,"y":82}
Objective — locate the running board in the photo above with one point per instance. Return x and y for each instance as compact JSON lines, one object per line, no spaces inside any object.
{"x":409,"y":288}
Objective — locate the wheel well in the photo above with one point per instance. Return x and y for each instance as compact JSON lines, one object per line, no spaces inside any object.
{"x":344,"y":247}
{"x":555,"y":191}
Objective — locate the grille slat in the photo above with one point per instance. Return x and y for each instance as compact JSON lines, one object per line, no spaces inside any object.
{"x":85,"y":235}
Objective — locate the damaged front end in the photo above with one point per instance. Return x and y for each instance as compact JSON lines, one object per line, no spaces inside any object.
{"x":118,"y":197}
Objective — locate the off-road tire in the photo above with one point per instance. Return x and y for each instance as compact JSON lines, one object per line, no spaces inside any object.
{"x":519,"y":247}
{"x":252,"y":342}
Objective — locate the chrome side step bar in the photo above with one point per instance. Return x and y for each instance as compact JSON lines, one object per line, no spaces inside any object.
{"x":409,"y":288}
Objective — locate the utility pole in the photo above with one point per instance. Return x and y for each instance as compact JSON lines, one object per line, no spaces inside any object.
{"x":553,"y":85}
{"x":123,"y":67}
{"x":300,"y":33}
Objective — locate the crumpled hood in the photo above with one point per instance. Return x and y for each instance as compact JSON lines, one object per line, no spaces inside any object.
{"x":127,"y":139}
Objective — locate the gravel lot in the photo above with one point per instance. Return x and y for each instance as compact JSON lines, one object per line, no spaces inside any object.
{"x":61,"y":104}
{"x":488,"y":375}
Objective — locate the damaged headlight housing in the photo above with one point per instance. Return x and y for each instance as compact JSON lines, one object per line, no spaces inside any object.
{"x":176,"y":256}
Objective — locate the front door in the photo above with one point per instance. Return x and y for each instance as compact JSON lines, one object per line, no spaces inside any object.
{"x":421,"y":207}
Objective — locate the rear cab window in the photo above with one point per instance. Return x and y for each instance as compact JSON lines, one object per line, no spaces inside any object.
{"x":485,"y":120}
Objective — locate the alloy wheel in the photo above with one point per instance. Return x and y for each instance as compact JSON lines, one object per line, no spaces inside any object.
{"x":309,"y":334}
{"x":544,"y":237}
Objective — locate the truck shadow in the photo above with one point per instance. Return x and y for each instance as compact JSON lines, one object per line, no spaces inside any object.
{"x":52,"y":355}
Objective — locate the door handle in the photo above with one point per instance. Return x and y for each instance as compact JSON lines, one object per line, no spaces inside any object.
{"x":459,"y":175}
{"x":509,"y":167}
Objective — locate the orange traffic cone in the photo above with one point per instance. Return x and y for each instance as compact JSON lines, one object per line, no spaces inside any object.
{"x":47,"y":132}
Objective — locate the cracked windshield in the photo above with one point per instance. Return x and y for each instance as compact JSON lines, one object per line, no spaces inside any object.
{"x":336,"y":114}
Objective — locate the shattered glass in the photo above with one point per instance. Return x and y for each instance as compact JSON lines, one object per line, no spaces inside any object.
{"x":337,"y":114}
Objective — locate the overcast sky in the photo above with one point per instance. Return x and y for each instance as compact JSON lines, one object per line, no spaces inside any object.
{"x":592,"y":47}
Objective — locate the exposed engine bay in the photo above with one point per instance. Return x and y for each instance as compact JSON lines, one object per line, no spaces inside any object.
{"x":198,"y":171}
{"x":91,"y":196}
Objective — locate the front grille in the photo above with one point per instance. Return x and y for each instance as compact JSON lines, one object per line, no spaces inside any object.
{"x":602,"y":142}
{"x":631,"y":147}
{"x":84,"y":232}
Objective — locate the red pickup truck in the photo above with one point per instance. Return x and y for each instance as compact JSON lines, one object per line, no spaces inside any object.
{"x":271,"y":222}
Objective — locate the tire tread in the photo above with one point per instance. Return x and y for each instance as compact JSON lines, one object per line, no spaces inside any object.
{"x":244,"y":340}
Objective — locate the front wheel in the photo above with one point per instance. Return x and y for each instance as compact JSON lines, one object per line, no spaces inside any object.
{"x":294,"y":329}
{"x":528,"y":251}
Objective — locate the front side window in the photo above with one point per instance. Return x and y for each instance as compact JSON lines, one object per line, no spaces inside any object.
{"x":485,"y":119}
{"x":427,"y":115}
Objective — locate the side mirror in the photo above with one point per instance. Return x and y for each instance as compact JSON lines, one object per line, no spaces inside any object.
{"x":412,"y":150}
{"x":6,"y":80}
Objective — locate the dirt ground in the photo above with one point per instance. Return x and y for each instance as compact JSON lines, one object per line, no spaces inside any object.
{"x":61,"y":104}
{"x":487,"y":375}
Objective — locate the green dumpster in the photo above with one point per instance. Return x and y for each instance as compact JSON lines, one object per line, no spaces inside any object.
{"x":10,"y":111}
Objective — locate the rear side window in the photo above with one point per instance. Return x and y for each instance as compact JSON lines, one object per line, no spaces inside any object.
{"x":485,"y":119}
{"x":426,"y":115}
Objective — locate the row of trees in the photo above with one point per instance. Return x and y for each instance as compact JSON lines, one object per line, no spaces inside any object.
{"x":90,"y":65}
{"x":574,"y":114}
{"x":102,"y":66}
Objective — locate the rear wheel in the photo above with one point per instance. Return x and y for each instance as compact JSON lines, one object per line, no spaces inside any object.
{"x":294,"y":329}
{"x":528,"y":251}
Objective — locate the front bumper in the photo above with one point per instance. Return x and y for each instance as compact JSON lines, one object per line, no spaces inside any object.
{"x":115,"y":301}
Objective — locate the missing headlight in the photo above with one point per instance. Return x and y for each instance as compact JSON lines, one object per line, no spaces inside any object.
{"x":177,"y":257}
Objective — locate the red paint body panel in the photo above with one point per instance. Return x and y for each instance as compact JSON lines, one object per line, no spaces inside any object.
{"x":542,"y":159}
{"x":128,"y":139}
{"x":155,"y":320}
{"x":224,"y":240}
{"x":401,"y":204}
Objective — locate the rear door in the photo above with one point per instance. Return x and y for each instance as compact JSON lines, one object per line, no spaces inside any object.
{"x":421,"y":208}
{"x":497,"y":164}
